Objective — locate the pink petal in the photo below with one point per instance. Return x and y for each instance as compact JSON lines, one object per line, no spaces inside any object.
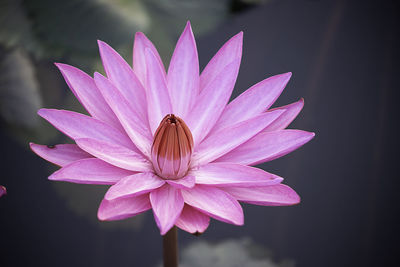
{"x":134,"y":185}
{"x":192,"y":220}
{"x":291,"y":112}
{"x":135,"y":125}
{"x":274,"y":195}
{"x":215,"y":203}
{"x":158,"y":101}
{"x":60,"y":155}
{"x":223,"y":141}
{"x":183,"y":74}
{"x":267,"y":146}
{"x":167,"y":204}
{"x":212,"y":101}
{"x":115,"y":154}
{"x":77,"y":125}
{"x":232,"y":174}
{"x":230,"y":51}
{"x":122,"y":208}
{"x":185,"y":182}
{"x":90,"y":171}
{"x":3,"y":191}
{"x":253,"y":101}
{"x":86,"y":91}
{"x":122,"y":76}
{"x":139,"y":56}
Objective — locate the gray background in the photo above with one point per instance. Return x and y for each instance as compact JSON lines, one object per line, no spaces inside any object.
{"x":344,"y":58}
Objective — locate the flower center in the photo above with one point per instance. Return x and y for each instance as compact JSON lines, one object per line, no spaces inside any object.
{"x":172,"y":148}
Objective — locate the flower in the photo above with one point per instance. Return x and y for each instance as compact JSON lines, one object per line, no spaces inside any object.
{"x":169,"y":141}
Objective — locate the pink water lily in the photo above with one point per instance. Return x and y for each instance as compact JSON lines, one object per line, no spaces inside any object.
{"x":169,"y":141}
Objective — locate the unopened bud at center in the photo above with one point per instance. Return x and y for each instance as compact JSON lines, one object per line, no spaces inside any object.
{"x":172,"y":148}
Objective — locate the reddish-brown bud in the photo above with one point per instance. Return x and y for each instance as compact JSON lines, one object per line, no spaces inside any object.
{"x":172,"y":148}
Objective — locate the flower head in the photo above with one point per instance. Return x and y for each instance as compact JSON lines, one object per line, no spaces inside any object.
{"x":169,"y":141}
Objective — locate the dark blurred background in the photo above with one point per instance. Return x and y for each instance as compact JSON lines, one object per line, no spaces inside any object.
{"x":344,"y":58}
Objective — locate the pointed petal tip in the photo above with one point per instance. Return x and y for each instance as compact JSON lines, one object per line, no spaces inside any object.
{"x":103,"y":47}
{"x":34,"y":147}
{"x":236,"y":40}
{"x":53,"y":177}
{"x":188,"y":30}
{"x":58,"y":65}
{"x":100,"y":214}
{"x":139,"y":35}
{"x":285,"y":76}
{"x":109,"y":196}
{"x":295,"y":199}
{"x":41,"y":112}
{"x":97,"y":75}
{"x":306,"y":135}
{"x":44,"y":112}
{"x":100,"y":42}
{"x":62,"y":66}
{"x":163,"y":228}
{"x":239,"y":35}
{"x":164,"y":231}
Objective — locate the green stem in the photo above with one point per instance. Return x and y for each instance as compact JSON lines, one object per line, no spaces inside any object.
{"x":170,"y":248}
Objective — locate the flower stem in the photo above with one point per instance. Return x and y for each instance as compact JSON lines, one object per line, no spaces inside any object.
{"x":170,"y":248}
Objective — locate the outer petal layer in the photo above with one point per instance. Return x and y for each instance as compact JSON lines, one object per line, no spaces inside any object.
{"x":134,"y":185}
{"x":290,"y":113}
{"x":60,"y":155}
{"x":215,"y":203}
{"x":123,"y":208}
{"x":139,"y":56}
{"x":229,"y":52}
{"x":77,"y":125}
{"x":192,"y":220}
{"x":274,"y":195}
{"x":223,"y":141}
{"x":183,"y":74}
{"x":231,"y":174}
{"x":253,"y":101}
{"x":122,"y":76}
{"x":86,"y":91}
{"x":167,"y":203}
{"x":211,"y":102}
{"x":90,"y":171}
{"x":274,"y":145}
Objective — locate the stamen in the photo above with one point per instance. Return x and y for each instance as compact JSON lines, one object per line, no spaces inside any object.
{"x":172,"y":148}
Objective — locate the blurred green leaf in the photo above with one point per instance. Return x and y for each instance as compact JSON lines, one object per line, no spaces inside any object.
{"x":66,"y":28}
{"x":16,"y":28}
{"x":20,"y":96}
